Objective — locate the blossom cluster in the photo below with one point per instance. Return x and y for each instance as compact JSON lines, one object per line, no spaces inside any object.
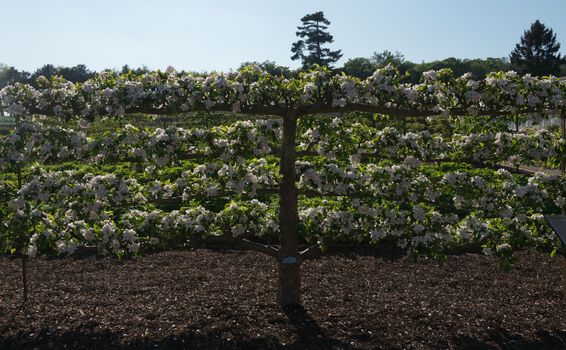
{"x":251,"y":88}
{"x":63,"y":211}
{"x":157,"y":148}
{"x":218,"y":178}
{"x":437,"y":211}
{"x":356,"y":141}
{"x":420,"y":207}
{"x":36,"y":142}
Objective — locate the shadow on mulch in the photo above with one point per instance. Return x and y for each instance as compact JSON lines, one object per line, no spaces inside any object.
{"x":502,"y":339}
{"x":389,"y":252}
{"x":310,"y":336}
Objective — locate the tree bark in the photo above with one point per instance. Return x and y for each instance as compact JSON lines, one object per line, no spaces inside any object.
{"x":289,"y":281}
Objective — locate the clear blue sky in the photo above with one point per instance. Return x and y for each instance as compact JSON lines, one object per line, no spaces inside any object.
{"x":220,"y":34}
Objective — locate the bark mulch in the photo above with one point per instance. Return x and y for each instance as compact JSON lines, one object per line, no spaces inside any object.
{"x":207,"y":299}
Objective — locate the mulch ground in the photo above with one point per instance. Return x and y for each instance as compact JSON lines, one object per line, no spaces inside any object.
{"x":206,"y":299}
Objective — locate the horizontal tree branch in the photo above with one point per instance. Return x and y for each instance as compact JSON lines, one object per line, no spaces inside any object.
{"x":396,"y":112}
{"x":317,"y":108}
{"x":243,"y":243}
{"x":275,"y":110}
{"x":262,"y":248}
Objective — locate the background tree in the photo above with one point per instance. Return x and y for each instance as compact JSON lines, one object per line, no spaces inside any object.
{"x":313,"y":35}
{"x":271,"y":67}
{"x":396,"y":59}
{"x":10,"y":75}
{"x":78,"y":73}
{"x":385,"y":57}
{"x":360,"y":67}
{"x":47,"y":70}
{"x":126,"y":69}
{"x":537,"y":52}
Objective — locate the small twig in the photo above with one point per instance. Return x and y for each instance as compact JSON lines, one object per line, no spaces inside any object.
{"x":311,"y":252}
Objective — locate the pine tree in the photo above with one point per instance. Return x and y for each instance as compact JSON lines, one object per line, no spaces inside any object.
{"x":313,"y":35}
{"x":537,"y":53}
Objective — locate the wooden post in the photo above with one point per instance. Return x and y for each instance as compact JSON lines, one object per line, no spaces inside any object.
{"x":562,"y":171}
{"x":289,"y":260}
{"x":25,"y":276}
{"x":24,"y":254}
{"x":563,"y":137}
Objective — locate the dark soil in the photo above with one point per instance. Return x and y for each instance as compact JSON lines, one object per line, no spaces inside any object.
{"x":207,"y":299}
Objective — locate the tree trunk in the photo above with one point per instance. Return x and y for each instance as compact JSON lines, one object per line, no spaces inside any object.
{"x":289,"y":283}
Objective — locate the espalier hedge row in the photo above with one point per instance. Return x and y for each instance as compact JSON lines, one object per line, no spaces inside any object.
{"x":158,"y":148}
{"x":252,"y":90}
{"x":336,"y":181}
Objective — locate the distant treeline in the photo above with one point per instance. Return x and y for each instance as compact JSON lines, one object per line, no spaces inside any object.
{"x":360,"y":67}
{"x":363,"y":67}
{"x":78,"y":73}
